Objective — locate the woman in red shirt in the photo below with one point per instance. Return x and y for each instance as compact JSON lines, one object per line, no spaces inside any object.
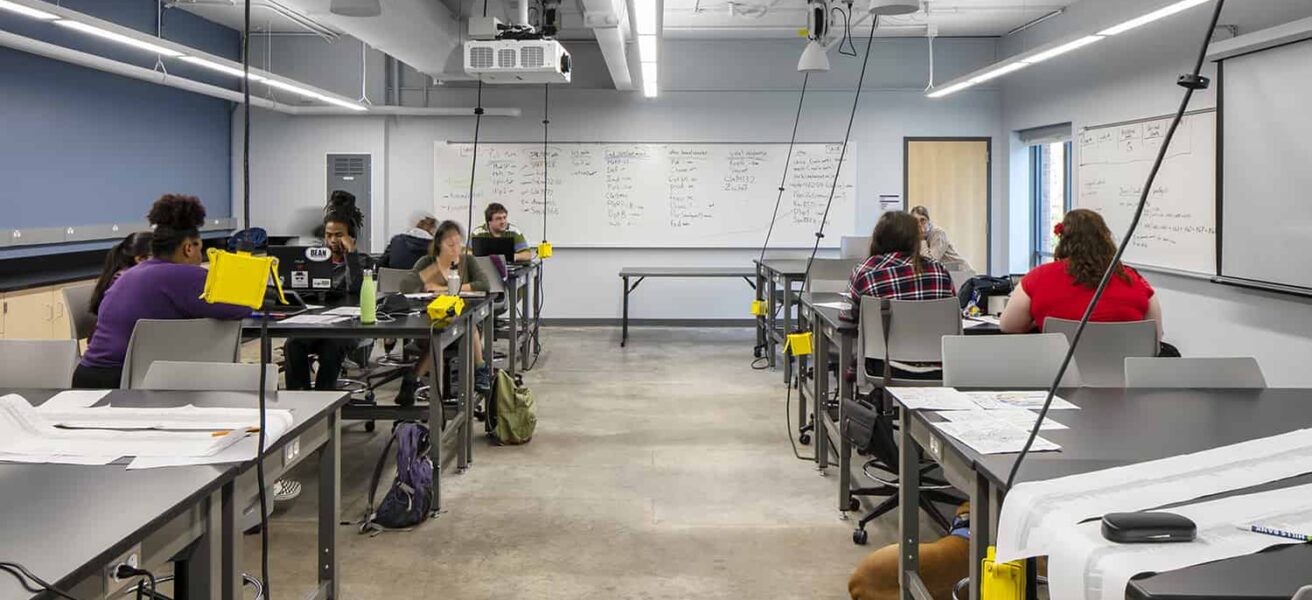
{"x":1064,"y":287}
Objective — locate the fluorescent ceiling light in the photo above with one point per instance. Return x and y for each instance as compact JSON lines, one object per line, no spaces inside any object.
{"x":952,"y":89}
{"x":274,"y":83}
{"x":1152,"y":16}
{"x":342,"y":103}
{"x":647,"y":48}
{"x":118,"y":37}
{"x":649,"y":79}
{"x":646,"y":16}
{"x":27,"y":12}
{"x":220,"y":67}
{"x":1063,"y":49}
{"x":999,"y":72}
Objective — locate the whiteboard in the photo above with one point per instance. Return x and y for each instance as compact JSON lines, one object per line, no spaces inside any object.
{"x":653,"y":195}
{"x":1178,"y":229}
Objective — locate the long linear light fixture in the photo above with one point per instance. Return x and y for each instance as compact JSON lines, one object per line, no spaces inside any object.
{"x":43,"y":11}
{"x":648,"y":24}
{"x":1055,"y":49}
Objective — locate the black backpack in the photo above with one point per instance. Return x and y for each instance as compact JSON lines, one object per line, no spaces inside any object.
{"x":409,"y":500}
{"x":977,"y":291}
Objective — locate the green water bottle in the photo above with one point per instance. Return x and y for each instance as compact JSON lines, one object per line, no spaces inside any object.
{"x":368,"y":299}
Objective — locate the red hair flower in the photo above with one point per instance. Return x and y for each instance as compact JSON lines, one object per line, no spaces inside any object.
{"x":1058,"y":229}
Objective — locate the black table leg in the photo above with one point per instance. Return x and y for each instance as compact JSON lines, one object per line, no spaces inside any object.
{"x":624,"y":335}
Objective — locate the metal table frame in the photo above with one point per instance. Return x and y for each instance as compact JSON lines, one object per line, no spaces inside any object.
{"x":642,"y":273}
{"x":778,"y":284}
{"x":525,"y":315}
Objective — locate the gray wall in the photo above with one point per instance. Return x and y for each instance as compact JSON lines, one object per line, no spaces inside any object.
{"x":723,"y":91}
{"x":1133,"y":77}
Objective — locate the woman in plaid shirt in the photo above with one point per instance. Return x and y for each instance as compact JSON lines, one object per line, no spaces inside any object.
{"x":897,"y":270}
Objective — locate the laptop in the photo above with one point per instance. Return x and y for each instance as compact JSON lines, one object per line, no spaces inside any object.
{"x":304,"y":268}
{"x":491,"y":246}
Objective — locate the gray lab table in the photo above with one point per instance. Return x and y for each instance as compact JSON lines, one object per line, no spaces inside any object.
{"x":778,"y":283}
{"x":69,"y":523}
{"x":1114,"y":427}
{"x":525,"y":310}
{"x":642,"y":273}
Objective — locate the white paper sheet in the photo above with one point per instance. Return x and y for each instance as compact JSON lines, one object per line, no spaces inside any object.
{"x":990,"y":319}
{"x":208,"y":419}
{"x":323,"y":319}
{"x":837,"y":305}
{"x":58,"y":459}
{"x":994,"y":437}
{"x":1030,"y":399}
{"x":932,"y":398}
{"x":971,"y":323}
{"x":343,"y":311}
{"x":1015,"y":416}
{"x":240,"y":452}
{"x":1087,"y":567}
{"x":1035,"y":513}
{"x":72,"y":399}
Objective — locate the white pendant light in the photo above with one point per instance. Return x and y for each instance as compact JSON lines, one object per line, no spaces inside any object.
{"x":356,"y":8}
{"x":814,"y":58}
{"x":893,"y":7}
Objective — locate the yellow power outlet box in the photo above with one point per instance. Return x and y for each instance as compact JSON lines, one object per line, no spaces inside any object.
{"x":544,"y":250}
{"x":240,"y":278}
{"x":758,"y":308}
{"x":1001,"y":581}
{"x":444,"y":307}
{"x":799,"y":343}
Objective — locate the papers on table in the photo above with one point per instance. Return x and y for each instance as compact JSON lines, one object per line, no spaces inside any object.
{"x":1036,"y":514}
{"x":994,"y":436}
{"x":73,"y":399}
{"x":343,"y":311}
{"x":321,"y":319}
{"x":933,"y":398}
{"x":183,"y":418}
{"x":990,"y":319}
{"x":837,"y":305}
{"x":1086,"y":566}
{"x":1011,"y":400}
{"x":1019,"y":417}
{"x":971,"y":323}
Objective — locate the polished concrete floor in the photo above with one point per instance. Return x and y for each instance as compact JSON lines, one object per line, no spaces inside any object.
{"x":659,"y":471}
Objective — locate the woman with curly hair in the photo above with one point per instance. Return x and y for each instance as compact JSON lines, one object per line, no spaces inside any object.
{"x":1064,"y":287}
{"x":167,"y":286}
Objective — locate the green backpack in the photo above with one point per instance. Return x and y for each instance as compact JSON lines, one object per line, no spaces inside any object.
{"x":511,"y":410}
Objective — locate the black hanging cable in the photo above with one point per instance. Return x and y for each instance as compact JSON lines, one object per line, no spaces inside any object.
{"x":788,"y":159}
{"x":847,"y":30}
{"x":1192,"y":82}
{"x":473,"y":163}
{"x":538,"y":300}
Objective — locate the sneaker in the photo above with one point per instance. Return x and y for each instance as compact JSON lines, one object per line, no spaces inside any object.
{"x":483,"y":379}
{"x":286,"y":490}
{"x":406,"y":397}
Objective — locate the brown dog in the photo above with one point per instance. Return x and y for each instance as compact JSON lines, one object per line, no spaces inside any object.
{"x":942,"y":564}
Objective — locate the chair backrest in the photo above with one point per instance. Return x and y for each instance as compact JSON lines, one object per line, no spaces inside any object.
{"x":389,"y":280}
{"x":916,"y":328}
{"x":1105,"y":346}
{"x":1233,"y":373}
{"x":959,"y":278}
{"x":208,"y":376}
{"x":854,"y":246}
{"x":204,"y":340}
{"x":1006,"y":361}
{"x":830,"y":275}
{"x":45,"y":364}
{"x":496,"y":287}
{"x":77,"y":299}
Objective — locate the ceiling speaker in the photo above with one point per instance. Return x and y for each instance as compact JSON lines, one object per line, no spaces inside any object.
{"x":893,"y":7}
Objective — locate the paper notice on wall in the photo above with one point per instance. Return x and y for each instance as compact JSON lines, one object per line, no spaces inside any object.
{"x":1085,"y":566}
{"x":1036,"y":514}
{"x":890,"y":202}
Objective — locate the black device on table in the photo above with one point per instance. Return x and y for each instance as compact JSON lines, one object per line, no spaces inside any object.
{"x":304,"y":268}
{"x":1148,"y":528}
{"x":494,"y":246}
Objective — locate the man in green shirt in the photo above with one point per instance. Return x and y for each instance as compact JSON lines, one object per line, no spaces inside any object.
{"x":496,"y":224}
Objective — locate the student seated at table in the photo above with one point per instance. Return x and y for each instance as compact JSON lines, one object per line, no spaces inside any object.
{"x":897,"y":270}
{"x":341,"y":224}
{"x":1064,"y":287}
{"x":496,"y":224}
{"x":130,"y":252}
{"x":935,"y":244}
{"x":166,"y":286}
{"x":445,"y":255}
{"x":405,"y":249}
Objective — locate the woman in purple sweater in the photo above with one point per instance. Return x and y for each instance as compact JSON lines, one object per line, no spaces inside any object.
{"x":168,"y":286}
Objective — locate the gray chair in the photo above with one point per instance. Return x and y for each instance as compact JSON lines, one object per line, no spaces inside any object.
{"x":854,"y":246}
{"x":496,"y":286}
{"x":959,"y":278}
{"x":1231,"y":373}
{"x":1007,"y":361}
{"x":830,"y":275}
{"x":389,"y":280}
{"x":37,"y":364}
{"x":202,"y":376}
{"x":77,"y":299}
{"x":1105,"y":346}
{"x":916,"y":333}
{"x":204,"y":340}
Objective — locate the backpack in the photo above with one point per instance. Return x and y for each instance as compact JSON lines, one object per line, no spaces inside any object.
{"x":409,"y":500}
{"x":511,"y":416}
{"x":977,"y":291}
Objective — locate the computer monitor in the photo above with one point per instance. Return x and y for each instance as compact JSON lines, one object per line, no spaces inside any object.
{"x":494,"y":246}
{"x":304,"y":268}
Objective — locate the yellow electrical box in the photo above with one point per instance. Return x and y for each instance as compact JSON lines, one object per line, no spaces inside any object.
{"x":240,"y":278}
{"x":799,"y":343}
{"x":1001,"y":581}
{"x":444,"y":307}
{"x":758,"y":308}
{"x":544,"y":250}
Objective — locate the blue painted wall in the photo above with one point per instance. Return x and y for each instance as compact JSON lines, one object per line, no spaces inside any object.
{"x":81,"y":147}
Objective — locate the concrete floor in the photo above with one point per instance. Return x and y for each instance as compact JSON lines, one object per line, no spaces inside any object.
{"x":660,"y":471}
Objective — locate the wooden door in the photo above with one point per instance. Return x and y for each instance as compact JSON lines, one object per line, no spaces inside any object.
{"x":28,"y":315}
{"x":950,"y":177}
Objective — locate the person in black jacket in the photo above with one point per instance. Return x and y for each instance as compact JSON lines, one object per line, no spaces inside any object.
{"x":341,"y":226}
{"x":405,"y":249}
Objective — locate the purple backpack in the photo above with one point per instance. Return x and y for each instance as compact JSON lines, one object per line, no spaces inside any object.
{"x":409,"y":500}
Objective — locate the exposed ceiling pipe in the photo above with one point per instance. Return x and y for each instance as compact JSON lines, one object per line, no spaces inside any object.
{"x":106,"y":65}
{"x":419,"y":33}
{"x":610,"y":23}
{"x":306,"y":23}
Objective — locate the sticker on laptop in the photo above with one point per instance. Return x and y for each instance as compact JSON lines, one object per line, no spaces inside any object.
{"x":318,"y":254}
{"x":321,"y":283}
{"x":300,"y":279}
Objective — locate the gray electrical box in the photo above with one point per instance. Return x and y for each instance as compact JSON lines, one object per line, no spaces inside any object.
{"x":352,"y":172}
